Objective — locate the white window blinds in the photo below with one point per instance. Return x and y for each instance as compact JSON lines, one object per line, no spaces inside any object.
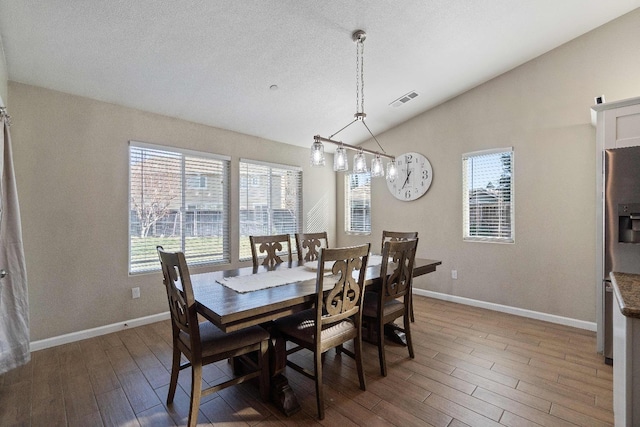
{"x":357,"y":203}
{"x":487,"y":188}
{"x":270,"y":201}
{"x":180,"y":200}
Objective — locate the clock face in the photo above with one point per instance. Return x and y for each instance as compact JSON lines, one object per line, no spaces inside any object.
{"x":413,"y":178}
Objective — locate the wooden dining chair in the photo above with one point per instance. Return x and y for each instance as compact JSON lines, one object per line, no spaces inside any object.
{"x":308,"y":245}
{"x":394,"y":236}
{"x":272,"y":247}
{"x":203,"y":343}
{"x":392,"y":300}
{"x":335,"y":318}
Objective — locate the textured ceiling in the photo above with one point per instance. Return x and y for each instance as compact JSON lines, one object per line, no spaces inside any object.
{"x":213,"y":62}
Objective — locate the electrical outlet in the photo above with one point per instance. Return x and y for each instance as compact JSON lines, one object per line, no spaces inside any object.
{"x":135,"y":293}
{"x":454,"y":274}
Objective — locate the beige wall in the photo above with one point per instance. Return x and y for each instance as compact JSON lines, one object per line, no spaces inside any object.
{"x":542,"y":109}
{"x":71,"y":161}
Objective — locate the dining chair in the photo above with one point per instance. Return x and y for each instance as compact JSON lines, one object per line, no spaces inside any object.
{"x":336,"y":317}
{"x":392,"y":300}
{"x":272,"y":246}
{"x":309,"y":244}
{"x":203,"y":343}
{"x":393,"y":236}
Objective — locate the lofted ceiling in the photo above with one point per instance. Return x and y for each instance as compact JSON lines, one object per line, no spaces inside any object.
{"x":216,"y":62}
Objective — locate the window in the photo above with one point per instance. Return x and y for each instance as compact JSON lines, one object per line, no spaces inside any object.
{"x":270,"y":201}
{"x":357,"y":203}
{"x":196,"y":182}
{"x":178,"y":199}
{"x":487,"y":188}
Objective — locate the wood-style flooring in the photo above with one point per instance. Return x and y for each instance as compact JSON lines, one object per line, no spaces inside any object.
{"x":472,"y":367}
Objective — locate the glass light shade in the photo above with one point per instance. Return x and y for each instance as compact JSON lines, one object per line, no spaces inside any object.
{"x":392,"y":171}
{"x":317,"y":154}
{"x":376,"y":167}
{"x":359,"y":163}
{"x":340,"y":160}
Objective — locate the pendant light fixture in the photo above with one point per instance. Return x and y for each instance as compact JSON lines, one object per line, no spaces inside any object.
{"x":340,"y":162}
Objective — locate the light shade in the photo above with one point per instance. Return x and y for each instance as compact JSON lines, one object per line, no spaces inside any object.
{"x":340,"y":160}
{"x":317,"y":154}
{"x":376,"y":167}
{"x":392,"y":171}
{"x":359,"y":163}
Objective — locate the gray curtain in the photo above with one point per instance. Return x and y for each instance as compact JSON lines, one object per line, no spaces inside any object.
{"x":14,"y":303}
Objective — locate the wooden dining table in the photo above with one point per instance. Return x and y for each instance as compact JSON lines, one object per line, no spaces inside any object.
{"x":231,"y":311}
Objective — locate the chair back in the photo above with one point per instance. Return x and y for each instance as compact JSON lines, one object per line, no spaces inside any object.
{"x":345,"y":298}
{"x":396,"y":270}
{"x":393,"y":236}
{"x":308,"y":245}
{"x":182,"y":304}
{"x":272,"y":246}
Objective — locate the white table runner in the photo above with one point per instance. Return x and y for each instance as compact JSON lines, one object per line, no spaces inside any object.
{"x":282,"y":276}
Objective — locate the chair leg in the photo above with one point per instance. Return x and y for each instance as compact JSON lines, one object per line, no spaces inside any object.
{"x":319,"y":390}
{"x":357,"y":344}
{"x":196,"y":393}
{"x":265,"y":374}
{"x":407,"y":333}
{"x":383,"y":362}
{"x":175,"y":370}
{"x":413,"y":318}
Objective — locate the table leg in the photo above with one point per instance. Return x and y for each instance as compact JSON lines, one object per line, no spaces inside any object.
{"x":282,"y":394}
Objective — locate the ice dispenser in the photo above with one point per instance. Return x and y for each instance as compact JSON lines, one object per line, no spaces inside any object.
{"x":629,"y":223}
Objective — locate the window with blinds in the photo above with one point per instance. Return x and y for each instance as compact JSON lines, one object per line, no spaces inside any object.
{"x":270,"y":201}
{"x":487,"y":196}
{"x":357,"y":203}
{"x":180,"y":200}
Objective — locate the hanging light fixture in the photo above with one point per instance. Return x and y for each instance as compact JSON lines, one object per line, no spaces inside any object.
{"x":317,"y":153}
{"x":376,"y":166}
{"x":359,"y":161}
{"x":340,"y":160}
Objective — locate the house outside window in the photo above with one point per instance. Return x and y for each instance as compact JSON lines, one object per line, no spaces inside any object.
{"x":357,"y":203}
{"x":178,"y":199}
{"x":488,"y":202}
{"x":270,"y":201}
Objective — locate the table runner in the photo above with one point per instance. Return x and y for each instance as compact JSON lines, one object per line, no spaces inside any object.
{"x":282,"y":276}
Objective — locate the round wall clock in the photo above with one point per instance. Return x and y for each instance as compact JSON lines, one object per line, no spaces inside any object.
{"x":413,"y":178}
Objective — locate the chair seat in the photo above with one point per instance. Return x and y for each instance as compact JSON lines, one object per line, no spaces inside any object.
{"x":302,"y":327}
{"x":370,"y":307}
{"x":215,"y":341}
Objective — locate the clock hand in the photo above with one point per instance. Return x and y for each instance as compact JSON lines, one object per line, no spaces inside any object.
{"x":407,"y":180}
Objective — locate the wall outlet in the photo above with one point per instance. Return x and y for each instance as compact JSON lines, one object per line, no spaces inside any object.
{"x":454,"y":274}
{"x":135,"y":293}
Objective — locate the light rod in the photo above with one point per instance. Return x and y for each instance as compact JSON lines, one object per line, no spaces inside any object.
{"x":352,"y":147}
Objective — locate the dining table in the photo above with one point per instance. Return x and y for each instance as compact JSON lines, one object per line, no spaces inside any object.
{"x":231,"y":310}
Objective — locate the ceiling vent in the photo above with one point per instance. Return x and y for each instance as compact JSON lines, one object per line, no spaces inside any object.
{"x":404,"y":99}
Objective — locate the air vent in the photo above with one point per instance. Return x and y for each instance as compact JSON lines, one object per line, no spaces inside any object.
{"x":404,"y":99}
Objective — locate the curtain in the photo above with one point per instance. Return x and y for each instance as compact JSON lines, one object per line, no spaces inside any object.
{"x":14,"y":304}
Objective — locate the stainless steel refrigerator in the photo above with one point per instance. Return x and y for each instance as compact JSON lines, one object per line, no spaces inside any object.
{"x":621,"y":225}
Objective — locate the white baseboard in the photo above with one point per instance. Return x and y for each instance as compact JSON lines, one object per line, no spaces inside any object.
{"x":115,"y":327}
{"x":581,"y":324}
{"x":94,"y":332}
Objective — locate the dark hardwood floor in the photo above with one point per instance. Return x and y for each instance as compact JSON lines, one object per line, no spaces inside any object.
{"x":472,"y":367}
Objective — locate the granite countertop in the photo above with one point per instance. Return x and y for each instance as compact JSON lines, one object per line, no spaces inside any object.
{"x":627,"y":289}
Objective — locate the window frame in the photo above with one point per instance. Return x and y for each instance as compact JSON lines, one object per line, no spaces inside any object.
{"x":467,"y":236}
{"x":348,"y":208}
{"x":185,"y":206}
